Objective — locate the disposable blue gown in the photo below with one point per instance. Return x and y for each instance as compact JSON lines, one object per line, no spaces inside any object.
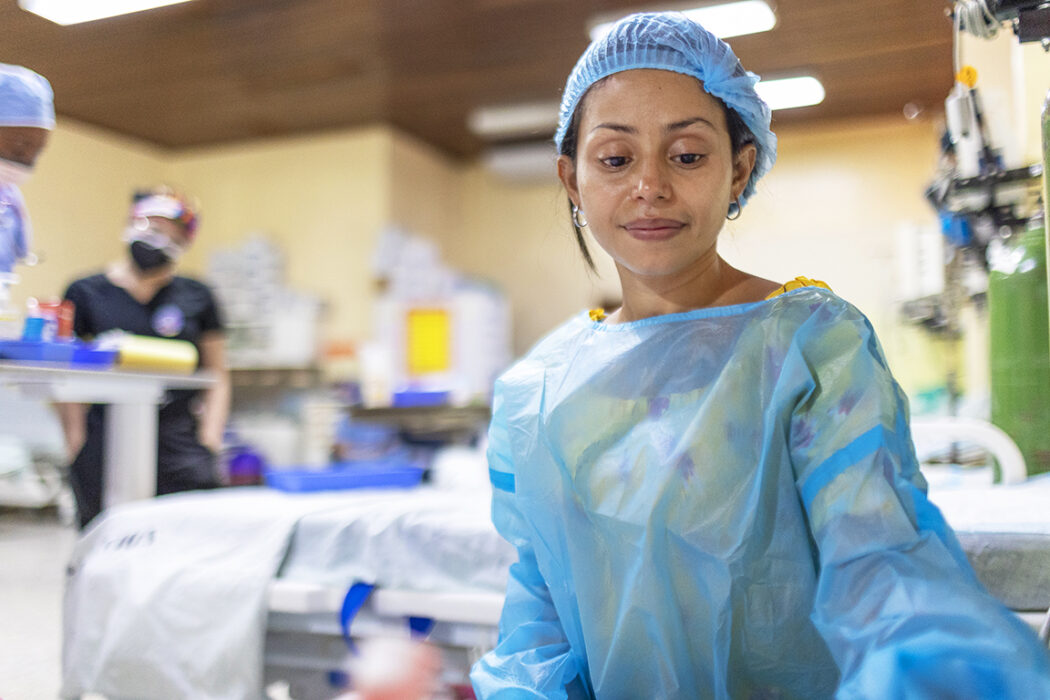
{"x":725,"y":503}
{"x":14,"y":227}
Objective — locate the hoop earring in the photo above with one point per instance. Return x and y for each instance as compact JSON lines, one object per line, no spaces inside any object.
{"x":734,"y":210}
{"x":578,"y":218}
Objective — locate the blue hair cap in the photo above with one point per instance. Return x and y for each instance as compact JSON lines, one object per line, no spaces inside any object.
{"x":26,"y":98}
{"x":671,"y":41}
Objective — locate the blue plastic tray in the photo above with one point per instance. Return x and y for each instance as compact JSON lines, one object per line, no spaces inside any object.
{"x":84,"y":355}
{"x":404,"y":399}
{"x":70,"y":353}
{"x":347,"y":477}
{"x":36,"y":351}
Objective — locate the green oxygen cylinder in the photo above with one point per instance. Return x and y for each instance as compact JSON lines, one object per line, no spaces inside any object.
{"x":1046,"y":175}
{"x":1019,"y":328}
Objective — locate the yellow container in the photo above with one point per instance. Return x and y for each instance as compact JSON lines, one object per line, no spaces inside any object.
{"x":146,"y":354}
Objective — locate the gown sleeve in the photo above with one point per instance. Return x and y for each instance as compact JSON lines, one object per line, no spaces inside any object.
{"x":533,"y":658}
{"x":15,"y":231}
{"x":897,"y":602}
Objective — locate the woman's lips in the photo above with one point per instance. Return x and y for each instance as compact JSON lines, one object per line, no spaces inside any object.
{"x":653,"y":229}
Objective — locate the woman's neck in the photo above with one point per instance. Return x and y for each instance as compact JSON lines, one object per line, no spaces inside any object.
{"x":710,"y":282}
{"x":141,"y":285}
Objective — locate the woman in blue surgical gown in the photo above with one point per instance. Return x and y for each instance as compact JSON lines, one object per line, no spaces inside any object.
{"x":713,"y":490}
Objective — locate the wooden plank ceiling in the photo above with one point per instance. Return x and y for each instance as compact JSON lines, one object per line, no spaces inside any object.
{"x":219,"y":71}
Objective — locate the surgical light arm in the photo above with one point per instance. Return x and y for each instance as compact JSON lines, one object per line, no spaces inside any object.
{"x":1030,"y":18}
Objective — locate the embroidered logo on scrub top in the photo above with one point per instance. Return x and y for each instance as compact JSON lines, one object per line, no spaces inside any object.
{"x":168,"y":320}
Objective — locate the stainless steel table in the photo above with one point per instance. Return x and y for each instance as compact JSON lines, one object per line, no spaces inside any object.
{"x":131,"y":424}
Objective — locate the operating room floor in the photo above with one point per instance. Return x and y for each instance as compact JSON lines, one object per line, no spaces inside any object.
{"x":34,"y":548}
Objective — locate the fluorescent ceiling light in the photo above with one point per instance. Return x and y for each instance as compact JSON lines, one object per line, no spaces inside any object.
{"x":523,"y":163}
{"x":791,"y":92}
{"x":514,"y":120}
{"x":75,"y":11}
{"x":726,"y":20}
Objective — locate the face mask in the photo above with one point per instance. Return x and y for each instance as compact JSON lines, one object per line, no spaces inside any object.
{"x":12,"y":173}
{"x":149,"y":247}
{"x":146,"y":257}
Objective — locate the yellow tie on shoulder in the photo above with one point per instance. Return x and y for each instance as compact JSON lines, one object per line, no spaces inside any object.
{"x":799,"y":282}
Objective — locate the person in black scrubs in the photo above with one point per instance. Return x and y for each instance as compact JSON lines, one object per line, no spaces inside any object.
{"x":141,"y":294}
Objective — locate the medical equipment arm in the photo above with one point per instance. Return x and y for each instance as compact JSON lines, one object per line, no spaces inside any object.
{"x":533,"y":658}
{"x":897,"y":602}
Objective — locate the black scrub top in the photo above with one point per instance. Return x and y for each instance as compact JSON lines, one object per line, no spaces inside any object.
{"x":184,"y":309}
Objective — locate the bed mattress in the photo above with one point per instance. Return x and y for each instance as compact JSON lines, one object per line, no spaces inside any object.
{"x":196,"y":571}
{"x":1004,"y":530}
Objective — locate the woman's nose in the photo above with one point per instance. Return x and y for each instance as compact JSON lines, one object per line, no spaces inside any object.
{"x":653,"y":183}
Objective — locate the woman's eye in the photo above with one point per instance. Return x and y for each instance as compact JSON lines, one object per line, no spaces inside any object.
{"x":689,"y":158}
{"x":614,"y":161}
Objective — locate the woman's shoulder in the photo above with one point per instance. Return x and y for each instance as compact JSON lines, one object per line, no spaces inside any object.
{"x":824,"y":327}
{"x":550,"y":349}
{"x":92,"y":283}
{"x":809,"y":300}
{"x":555,"y":341}
{"x":191,"y":286}
{"x":189,"y":282}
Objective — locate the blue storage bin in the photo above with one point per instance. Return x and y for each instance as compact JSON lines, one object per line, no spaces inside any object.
{"x":405,"y":399}
{"x":369,"y":475}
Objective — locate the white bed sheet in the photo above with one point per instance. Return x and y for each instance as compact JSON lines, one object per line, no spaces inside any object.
{"x":1004,"y":530}
{"x":215,"y":556}
{"x":424,"y":539}
{"x":970,"y":503}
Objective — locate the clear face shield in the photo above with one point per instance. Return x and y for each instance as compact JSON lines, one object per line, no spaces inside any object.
{"x":141,"y":230}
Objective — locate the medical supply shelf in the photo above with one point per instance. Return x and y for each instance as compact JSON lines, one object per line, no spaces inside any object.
{"x":131,"y":428}
{"x":434,"y":423}
{"x":276,"y":377}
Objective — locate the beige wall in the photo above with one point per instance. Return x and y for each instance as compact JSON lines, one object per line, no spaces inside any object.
{"x":1013,"y":81}
{"x":425,"y":191}
{"x":77,"y":201}
{"x":830,"y":209}
{"x":518,"y":234}
{"x":1034,"y":91}
{"x":323,"y":199}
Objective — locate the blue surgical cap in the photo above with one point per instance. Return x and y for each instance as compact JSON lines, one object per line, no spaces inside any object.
{"x":671,"y":41}
{"x":26,"y":98}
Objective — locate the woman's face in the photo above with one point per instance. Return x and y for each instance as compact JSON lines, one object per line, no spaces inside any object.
{"x":22,"y":144}
{"x":654,"y":172}
{"x":172,"y":229}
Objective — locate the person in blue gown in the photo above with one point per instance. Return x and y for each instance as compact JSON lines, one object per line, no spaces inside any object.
{"x":27,"y":116}
{"x":713,"y":490}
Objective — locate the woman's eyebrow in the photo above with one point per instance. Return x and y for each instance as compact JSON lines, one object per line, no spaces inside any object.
{"x":674,"y":126}
{"x":622,"y":128}
{"x":689,"y":122}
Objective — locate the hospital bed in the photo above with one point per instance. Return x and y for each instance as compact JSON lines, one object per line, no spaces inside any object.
{"x":301,"y":568}
{"x":439,"y":569}
{"x":1005,"y":531}
{"x":273,"y":576}
{"x":1003,"y":524}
